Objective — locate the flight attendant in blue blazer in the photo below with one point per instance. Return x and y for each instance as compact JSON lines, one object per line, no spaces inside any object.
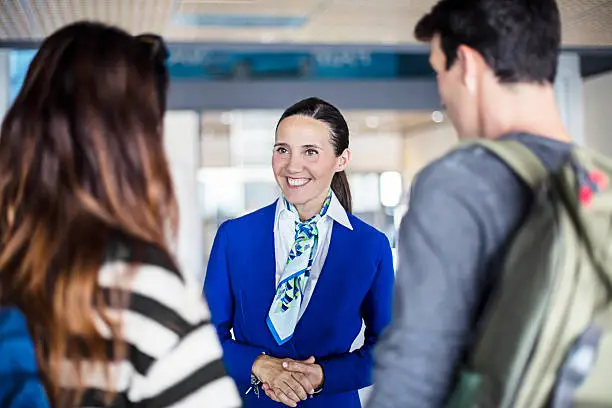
{"x":294,"y":280}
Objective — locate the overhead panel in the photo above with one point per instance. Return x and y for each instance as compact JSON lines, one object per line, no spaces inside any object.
{"x":36,"y":19}
{"x":585,"y":22}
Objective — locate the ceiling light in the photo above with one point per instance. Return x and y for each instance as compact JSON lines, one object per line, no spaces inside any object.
{"x":372,"y":122}
{"x":437,"y":116}
{"x":227,"y":118}
{"x":267,"y":37}
{"x":389,"y":41}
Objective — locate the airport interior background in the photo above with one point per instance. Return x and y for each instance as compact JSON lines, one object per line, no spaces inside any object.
{"x":235,"y":65}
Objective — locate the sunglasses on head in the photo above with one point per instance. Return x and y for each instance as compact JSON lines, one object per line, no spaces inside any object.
{"x":155,"y":45}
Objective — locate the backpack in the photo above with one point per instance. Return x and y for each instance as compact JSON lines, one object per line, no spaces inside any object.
{"x":20,"y":386}
{"x":545,"y":338}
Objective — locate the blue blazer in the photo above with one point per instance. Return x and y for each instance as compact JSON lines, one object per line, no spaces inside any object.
{"x":356,"y":283}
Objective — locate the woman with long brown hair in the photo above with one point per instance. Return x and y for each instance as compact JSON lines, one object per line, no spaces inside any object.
{"x":87,"y":212}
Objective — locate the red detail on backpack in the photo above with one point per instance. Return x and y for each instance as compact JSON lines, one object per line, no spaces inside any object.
{"x":585,"y":194}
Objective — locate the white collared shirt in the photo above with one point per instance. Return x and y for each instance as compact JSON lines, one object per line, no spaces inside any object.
{"x":284,"y":234}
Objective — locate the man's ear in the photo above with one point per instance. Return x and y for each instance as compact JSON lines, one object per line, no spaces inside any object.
{"x":471,"y":66}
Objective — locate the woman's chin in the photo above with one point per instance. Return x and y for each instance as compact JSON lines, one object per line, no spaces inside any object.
{"x":295,"y":197}
{"x":292,"y":197}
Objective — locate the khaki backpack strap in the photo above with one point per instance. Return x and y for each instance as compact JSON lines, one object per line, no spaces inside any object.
{"x":519,"y":158}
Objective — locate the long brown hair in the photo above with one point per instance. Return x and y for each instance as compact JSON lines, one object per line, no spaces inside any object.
{"x":81,"y":156}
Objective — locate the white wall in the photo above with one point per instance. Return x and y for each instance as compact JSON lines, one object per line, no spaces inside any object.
{"x":569,"y":93}
{"x":424,"y":145}
{"x":598,"y":113}
{"x":376,"y":152}
{"x":182,"y":141}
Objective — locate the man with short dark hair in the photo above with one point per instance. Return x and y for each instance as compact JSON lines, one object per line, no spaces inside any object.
{"x":496,"y":62}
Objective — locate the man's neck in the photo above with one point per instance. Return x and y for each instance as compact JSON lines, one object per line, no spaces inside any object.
{"x":525,"y":108}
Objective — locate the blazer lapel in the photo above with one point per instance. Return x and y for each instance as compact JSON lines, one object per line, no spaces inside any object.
{"x":259,"y":267}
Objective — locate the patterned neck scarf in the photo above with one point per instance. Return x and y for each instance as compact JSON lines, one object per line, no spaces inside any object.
{"x":283,"y":314}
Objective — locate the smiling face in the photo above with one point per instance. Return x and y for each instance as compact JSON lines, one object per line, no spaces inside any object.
{"x":304,"y":162}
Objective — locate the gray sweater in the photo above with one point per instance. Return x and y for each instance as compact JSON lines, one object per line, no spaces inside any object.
{"x":463,"y":210}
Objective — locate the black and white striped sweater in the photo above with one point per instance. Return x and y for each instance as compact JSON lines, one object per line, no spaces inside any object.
{"x":173,"y":354}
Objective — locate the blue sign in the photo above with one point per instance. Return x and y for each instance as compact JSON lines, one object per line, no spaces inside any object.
{"x":195,"y":63}
{"x":201,"y":63}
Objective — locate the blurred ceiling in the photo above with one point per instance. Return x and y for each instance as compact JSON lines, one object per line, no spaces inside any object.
{"x":585,"y":22}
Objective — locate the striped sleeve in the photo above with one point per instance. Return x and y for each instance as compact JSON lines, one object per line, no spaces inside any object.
{"x":174,"y":347}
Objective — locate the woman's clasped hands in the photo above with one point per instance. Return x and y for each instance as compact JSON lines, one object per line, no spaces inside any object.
{"x":288,"y":381}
